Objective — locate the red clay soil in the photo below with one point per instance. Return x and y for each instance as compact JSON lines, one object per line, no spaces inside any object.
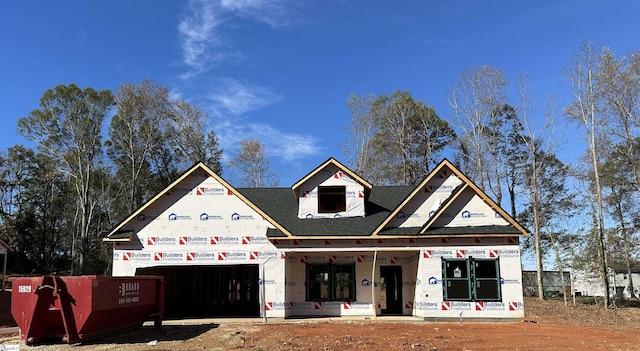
{"x":548,"y":325}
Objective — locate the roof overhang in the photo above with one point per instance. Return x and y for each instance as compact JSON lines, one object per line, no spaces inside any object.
{"x":125,"y":236}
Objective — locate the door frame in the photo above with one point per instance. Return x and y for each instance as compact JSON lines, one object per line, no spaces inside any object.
{"x":395,"y":290}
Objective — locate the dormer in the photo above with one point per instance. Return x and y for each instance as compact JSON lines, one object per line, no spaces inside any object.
{"x":331,"y":191}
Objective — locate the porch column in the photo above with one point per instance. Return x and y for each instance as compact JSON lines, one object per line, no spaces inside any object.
{"x":373,"y":285}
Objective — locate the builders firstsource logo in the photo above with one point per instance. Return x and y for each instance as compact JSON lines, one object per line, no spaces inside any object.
{"x":160,"y":240}
{"x":253,"y":240}
{"x":201,"y":256}
{"x":136,"y":256}
{"x":232,"y":256}
{"x":193,"y":240}
{"x":168,"y":256}
{"x":224,"y":240}
{"x":210,"y":191}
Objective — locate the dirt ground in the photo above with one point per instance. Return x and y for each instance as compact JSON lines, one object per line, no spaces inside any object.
{"x":548,"y":325}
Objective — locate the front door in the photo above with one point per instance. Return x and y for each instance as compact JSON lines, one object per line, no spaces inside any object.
{"x":391,"y":289}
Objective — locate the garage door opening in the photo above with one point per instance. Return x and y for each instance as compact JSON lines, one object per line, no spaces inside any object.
{"x":209,"y":291}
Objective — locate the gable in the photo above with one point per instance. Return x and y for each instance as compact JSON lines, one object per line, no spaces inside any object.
{"x":448,"y":199}
{"x":198,"y":196}
{"x":331,"y":193}
{"x":425,"y":202}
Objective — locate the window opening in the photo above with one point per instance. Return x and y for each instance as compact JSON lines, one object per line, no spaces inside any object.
{"x":330,"y":282}
{"x":471,"y":279}
{"x":332,"y":199}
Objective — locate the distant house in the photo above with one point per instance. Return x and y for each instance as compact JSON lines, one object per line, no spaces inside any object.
{"x":331,"y":245}
{"x":590,"y":284}
{"x":551,"y":283}
{"x":4,"y":251}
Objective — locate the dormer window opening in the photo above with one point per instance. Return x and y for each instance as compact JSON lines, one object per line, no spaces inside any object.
{"x":332,"y":199}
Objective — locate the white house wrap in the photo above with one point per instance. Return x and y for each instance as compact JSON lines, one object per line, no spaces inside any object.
{"x":332,"y":245}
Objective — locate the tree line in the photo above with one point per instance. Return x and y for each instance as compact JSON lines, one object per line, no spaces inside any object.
{"x":583,"y":215}
{"x":99,"y":155}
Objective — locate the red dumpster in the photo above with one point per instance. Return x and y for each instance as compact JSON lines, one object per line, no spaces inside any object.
{"x":78,"y":308}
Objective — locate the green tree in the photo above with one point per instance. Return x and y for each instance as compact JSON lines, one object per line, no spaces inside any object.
{"x":618,"y":176}
{"x":550,"y":204}
{"x":67,"y":128}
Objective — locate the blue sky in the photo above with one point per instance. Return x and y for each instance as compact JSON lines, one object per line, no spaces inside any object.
{"x":281,"y":71}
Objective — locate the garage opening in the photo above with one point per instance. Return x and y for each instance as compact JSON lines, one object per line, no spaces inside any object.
{"x":209,"y":291}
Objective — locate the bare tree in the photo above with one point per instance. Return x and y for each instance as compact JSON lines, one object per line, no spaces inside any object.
{"x":545,"y":179}
{"x":477,"y":98}
{"x":358,"y":148}
{"x":135,"y":134}
{"x":189,"y":139}
{"x":252,"y":162}
{"x":395,"y":138}
{"x":587,"y":111}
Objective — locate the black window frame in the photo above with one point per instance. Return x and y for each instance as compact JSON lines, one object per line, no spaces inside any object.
{"x":332,"y":199}
{"x":326,"y":282}
{"x":478,"y":280}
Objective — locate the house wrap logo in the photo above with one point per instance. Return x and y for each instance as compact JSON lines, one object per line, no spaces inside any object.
{"x":168,"y":256}
{"x":438,"y":189}
{"x":176,"y":217}
{"x":143,"y":217}
{"x":194,"y":240}
{"x":476,"y":252}
{"x":509,"y":253}
{"x":253,"y":240}
{"x":201,"y":190}
{"x":466,"y":214}
{"x":136,"y":256}
{"x":201,"y":256}
{"x":426,"y":306}
{"x":236,"y":217}
{"x":232,"y":256}
{"x":209,"y":217}
{"x":224,"y":240}
{"x":160,"y":240}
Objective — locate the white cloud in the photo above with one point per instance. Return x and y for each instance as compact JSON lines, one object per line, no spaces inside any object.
{"x":238,"y":98}
{"x":202,"y":44}
{"x":198,"y":32}
{"x":275,"y":13}
{"x":283,"y":145}
{"x":278,"y":144}
{"x":200,"y":28}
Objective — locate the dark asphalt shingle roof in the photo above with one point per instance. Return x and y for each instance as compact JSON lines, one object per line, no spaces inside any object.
{"x":282,"y":205}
